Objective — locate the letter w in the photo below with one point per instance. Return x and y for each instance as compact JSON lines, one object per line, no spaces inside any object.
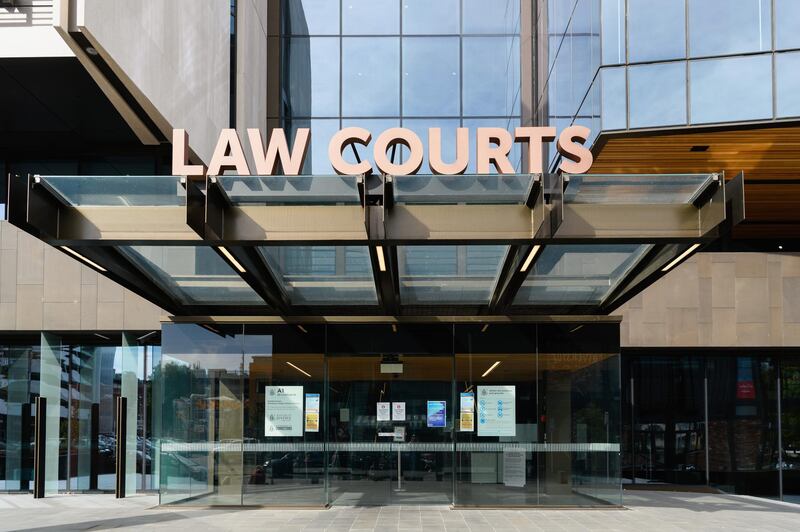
{"x":278,"y":151}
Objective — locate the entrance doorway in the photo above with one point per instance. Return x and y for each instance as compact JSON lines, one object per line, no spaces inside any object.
{"x":391,"y":429}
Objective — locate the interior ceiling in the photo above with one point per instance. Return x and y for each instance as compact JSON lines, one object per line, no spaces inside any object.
{"x":769,"y":157}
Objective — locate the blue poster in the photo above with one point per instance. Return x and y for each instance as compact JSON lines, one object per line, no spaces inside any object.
{"x":437,"y":414}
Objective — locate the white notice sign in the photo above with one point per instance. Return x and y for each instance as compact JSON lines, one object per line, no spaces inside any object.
{"x":283,"y":411}
{"x":514,"y":467}
{"x":398,"y":411}
{"x":383,"y":412}
{"x":496,"y":414}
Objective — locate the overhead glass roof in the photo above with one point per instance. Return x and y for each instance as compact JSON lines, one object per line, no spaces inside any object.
{"x":292,"y":190}
{"x":193,"y":275}
{"x":448,"y":189}
{"x":578,"y":274}
{"x":125,"y":191}
{"x":449,"y":274}
{"x":323,"y":275}
{"x":635,"y":189}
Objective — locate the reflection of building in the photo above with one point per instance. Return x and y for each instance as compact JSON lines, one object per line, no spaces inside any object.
{"x":709,"y":307}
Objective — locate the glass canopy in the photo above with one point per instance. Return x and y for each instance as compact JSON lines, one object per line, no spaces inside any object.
{"x":126,"y":191}
{"x":449,"y":274}
{"x":448,"y":189}
{"x":578,"y":274}
{"x":635,"y":189}
{"x":323,"y":275}
{"x":295,"y":190}
{"x":193,"y":275}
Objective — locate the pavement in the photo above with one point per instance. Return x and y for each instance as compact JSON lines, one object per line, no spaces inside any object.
{"x":644,"y":511}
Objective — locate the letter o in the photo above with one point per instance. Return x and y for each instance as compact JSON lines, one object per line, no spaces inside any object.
{"x":406,"y":137}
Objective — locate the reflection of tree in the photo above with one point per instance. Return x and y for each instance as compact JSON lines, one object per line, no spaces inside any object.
{"x":176,"y":385}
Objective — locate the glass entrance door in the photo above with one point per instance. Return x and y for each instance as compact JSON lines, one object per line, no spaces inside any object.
{"x":391,"y":429}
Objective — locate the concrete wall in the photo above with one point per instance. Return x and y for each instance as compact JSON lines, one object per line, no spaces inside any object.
{"x":43,"y":289}
{"x":719,"y":299}
{"x":174,"y":57}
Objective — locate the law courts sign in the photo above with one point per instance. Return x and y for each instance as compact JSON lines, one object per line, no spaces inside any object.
{"x":492,"y":148}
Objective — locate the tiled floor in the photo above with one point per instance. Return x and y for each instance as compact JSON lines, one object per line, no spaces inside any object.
{"x":646,"y":511}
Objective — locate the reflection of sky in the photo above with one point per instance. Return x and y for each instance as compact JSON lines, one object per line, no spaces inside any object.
{"x":193,"y":345}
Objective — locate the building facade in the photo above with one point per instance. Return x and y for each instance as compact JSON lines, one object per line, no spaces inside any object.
{"x":477,"y":340}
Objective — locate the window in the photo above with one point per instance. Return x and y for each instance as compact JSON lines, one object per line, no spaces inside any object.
{"x":612,"y":20}
{"x":497,"y":16}
{"x":730,"y":89}
{"x":787,"y":77}
{"x":370,"y":17}
{"x":787,"y":24}
{"x":311,"y":76}
{"x":431,"y":76}
{"x":613,"y":96}
{"x":656,"y":30}
{"x":311,"y":17}
{"x":657,"y":94}
{"x":491,"y":76}
{"x":718,"y":27}
{"x":430,"y":18}
{"x":371,"y":76}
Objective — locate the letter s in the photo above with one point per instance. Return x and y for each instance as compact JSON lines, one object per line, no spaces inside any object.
{"x":577,"y":157}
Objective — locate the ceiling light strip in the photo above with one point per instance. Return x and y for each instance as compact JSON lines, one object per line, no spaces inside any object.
{"x":231,"y":259}
{"x":680,"y":257}
{"x":381,"y":258}
{"x":532,"y":255}
{"x":307,"y":374}
{"x":84,"y":259}
{"x":491,"y":369}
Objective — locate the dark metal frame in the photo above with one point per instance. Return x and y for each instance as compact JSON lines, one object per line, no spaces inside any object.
{"x":210,"y":218}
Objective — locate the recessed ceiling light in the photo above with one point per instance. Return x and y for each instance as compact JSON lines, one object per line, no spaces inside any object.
{"x":91,"y":50}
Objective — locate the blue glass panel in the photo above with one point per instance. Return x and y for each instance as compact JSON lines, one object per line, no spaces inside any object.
{"x":656,"y":30}
{"x":613,"y":96}
{"x":311,"y":17}
{"x":370,"y":76}
{"x":194,"y":275}
{"x":291,"y":190}
{"x":657,"y":94}
{"x":787,"y":79}
{"x":612,"y":19}
{"x":129,"y":191}
{"x":431,"y":76}
{"x":440,"y":17}
{"x":787,"y":24}
{"x":578,"y":274}
{"x":311,"y":77}
{"x":491,"y":76}
{"x":497,"y":16}
{"x":731,"y":89}
{"x":448,"y":274}
{"x":461,"y":189}
{"x":718,"y":27}
{"x":323,"y":275}
{"x":370,"y":17}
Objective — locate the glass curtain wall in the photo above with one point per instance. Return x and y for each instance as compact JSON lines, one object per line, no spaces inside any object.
{"x":81,"y":376}
{"x":475,"y":415}
{"x":710,"y":418}
{"x":379,"y":64}
{"x":630,"y":64}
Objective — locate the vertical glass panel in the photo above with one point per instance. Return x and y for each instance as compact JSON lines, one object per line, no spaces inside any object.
{"x":498,"y":16}
{"x":657,"y":94}
{"x":613,"y":98}
{"x":16,"y":468}
{"x":284,"y":465}
{"x":612,"y":21}
{"x":718,"y":27}
{"x":311,"y":77}
{"x":578,"y":404}
{"x":656,"y":30}
{"x":491,"y":76}
{"x":371,"y":76}
{"x":790,"y":427}
{"x":742,"y":423}
{"x":431,"y":76}
{"x":311,"y":17}
{"x":323,"y":275}
{"x":370,"y":17}
{"x":669,"y":419}
{"x":448,"y":274}
{"x":787,"y":24}
{"x":129,"y":357}
{"x":317,"y":161}
{"x":201,"y":425}
{"x":787,"y":79}
{"x":431,"y":18}
{"x":50,"y":388}
{"x":391,"y":414}
{"x":747,"y":94}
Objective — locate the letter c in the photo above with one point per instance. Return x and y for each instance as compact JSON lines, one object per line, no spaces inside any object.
{"x":339,"y":142}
